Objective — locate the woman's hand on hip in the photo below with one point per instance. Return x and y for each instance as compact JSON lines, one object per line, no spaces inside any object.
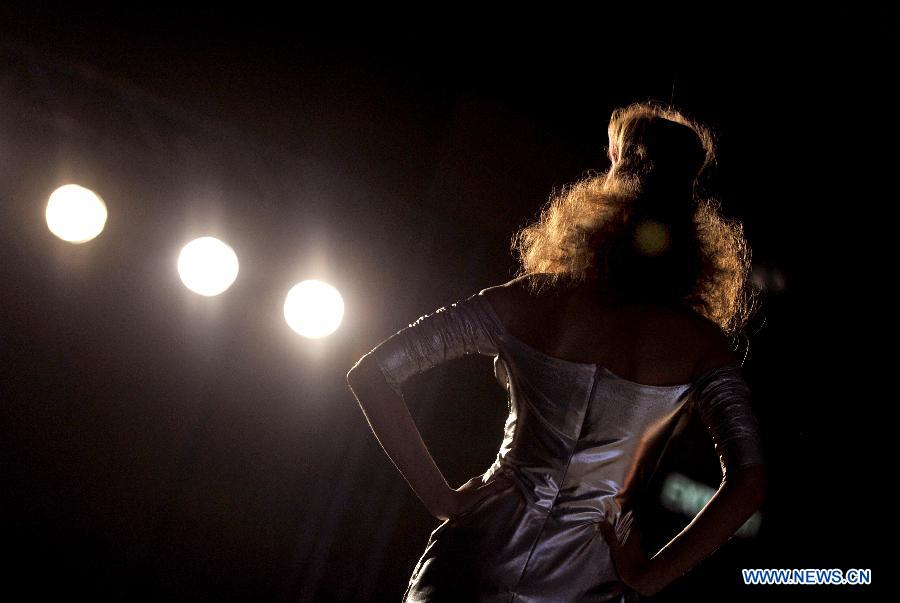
{"x":467,"y":496}
{"x":632,"y":564}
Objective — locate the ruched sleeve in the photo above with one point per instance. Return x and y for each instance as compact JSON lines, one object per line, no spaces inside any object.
{"x":449,"y":332}
{"x":722,"y":399}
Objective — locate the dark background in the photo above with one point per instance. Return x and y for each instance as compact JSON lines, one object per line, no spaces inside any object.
{"x":157,"y":445}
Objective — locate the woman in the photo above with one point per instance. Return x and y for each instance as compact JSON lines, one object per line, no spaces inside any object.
{"x":616,"y":330}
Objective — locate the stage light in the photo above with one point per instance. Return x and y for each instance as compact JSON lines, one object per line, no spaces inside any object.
{"x":207,"y":266}
{"x":75,"y":214}
{"x":313,"y":309}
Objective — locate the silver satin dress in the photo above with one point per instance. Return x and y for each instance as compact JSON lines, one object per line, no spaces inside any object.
{"x":579,"y":443}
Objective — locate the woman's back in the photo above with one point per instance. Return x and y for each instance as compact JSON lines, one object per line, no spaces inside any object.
{"x":581,"y":439}
{"x":644,"y":343}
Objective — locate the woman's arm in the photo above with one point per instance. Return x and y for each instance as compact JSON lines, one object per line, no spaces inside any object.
{"x":722,"y":399}
{"x":377,"y":382}
{"x":396,"y":431}
{"x":737,"y":498}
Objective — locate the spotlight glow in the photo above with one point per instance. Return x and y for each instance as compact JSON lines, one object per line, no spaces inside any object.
{"x":651,"y":237}
{"x":75,"y":214}
{"x":313,"y":309}
{"x":207,"y":266}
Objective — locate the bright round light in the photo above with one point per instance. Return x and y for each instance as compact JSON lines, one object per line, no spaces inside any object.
{"x":207,"y":266}
{"x":313,"y":309}
{"x":75,"y":214}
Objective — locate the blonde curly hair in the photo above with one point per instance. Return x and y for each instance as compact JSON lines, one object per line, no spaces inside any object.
{"x":644,"y":229}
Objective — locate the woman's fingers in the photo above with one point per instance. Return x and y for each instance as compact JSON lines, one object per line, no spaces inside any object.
{"x":475,"y":491}
{"x":609,"y":534}
{"x":502,"y":481}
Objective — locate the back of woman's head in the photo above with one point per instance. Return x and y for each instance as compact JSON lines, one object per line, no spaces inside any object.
{"x":645,"y":230}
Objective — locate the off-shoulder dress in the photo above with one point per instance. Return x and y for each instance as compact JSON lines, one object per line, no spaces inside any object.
{"x":577,"y":440}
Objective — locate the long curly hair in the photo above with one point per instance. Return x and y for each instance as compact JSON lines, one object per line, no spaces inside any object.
{"x":646,"y":229}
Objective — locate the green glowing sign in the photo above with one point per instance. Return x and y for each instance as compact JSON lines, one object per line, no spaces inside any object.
{"x":683,"y":495}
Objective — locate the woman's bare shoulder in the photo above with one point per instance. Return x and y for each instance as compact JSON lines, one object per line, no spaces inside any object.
{"x":696,"y":336}
{"x":715,"y":348}
{"x":528,"y":285}
{"x":705,"y":339}
{"x":505,"y":297}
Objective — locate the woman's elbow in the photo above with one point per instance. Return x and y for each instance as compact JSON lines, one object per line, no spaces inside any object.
{"x":355,"y":373}
{"x":363,"y":373}
{"x":752,"y":482}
